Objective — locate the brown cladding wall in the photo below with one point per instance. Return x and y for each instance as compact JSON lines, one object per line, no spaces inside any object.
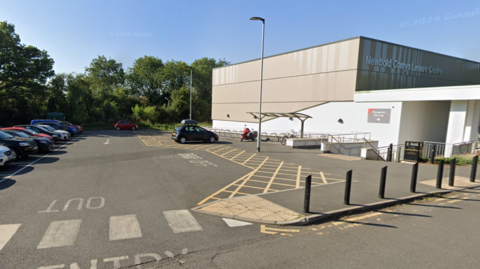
{"x":292,"y":81}
{"x":384,"y":65}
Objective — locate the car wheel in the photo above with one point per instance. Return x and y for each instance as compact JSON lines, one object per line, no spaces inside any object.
{"x":118,"y":128}
{"x":211,"y":139}
{"x":183,"y":140}
{"x":16,"y":154}
{"x":133,"y":128}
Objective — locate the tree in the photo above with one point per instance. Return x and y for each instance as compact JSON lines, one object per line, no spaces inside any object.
{"x":145,"y":78}
{"x":24,"y":71}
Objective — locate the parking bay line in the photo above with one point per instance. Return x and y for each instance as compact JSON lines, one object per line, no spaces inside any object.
{"x":37,"y":160}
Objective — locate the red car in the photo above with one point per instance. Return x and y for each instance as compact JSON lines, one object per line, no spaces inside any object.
{"x":79,"y":127}
{"x":126,"y":125}
{"x":28,"y":131}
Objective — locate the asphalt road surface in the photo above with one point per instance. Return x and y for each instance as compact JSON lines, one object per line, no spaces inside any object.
{"x":106,"y":200}
{"x":112,"y":199}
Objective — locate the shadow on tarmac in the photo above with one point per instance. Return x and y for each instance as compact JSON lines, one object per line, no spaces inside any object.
{"x":7,"y":184}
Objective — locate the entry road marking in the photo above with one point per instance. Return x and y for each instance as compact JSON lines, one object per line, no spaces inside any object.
{"x":7,"y":232}
{"x":182,"y":221}
{"x":60,"y":233}
{"x":124,"y":227}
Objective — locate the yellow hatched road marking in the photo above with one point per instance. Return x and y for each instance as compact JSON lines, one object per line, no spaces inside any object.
{"x":267,"y":230}
{"x":215,"y":152}
{"x":299,"y":172}
{"x":273,"y":178}
{"x":237,"y":155}
{"x":213,"y":147}
{"x":246,"y":179}
{"x":249,"y":158}
{"x":323,"y":178}
{"x":224,"y":188}
{"x":228,"y":152}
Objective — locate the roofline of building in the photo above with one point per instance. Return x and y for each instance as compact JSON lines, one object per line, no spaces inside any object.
{"x":343,"y":40}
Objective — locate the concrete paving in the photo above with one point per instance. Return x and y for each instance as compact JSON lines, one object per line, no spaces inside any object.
{"x":327,"y":200}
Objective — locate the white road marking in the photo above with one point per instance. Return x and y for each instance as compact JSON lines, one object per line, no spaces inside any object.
{"x":18,"y":171}
{"x":106,"y":143}
{"x":60,"y":233}
{"x":124,"y":227}
{"x":169,"y":254}
{"x":182,"y":221}
{"x":236,"y":223}
{"x":6,"y":233}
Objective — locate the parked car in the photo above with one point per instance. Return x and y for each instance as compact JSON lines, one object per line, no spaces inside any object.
{"x":44,"y":144}
{"x":79,"y":127}
{"x":125,"y":125}
{"x":72,"y":130}
{"x":189,"y":131}
{"x":63,"y":134}
{"x":39,"y":129}
{"x":29,"y":132}
{"x":21,"y":147}
{"x":6,"y":155}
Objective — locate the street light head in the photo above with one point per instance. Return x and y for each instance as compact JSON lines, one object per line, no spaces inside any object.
{"x":257,"y":19}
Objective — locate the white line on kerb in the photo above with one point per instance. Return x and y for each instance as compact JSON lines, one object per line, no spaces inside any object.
{"x":38,"y":160}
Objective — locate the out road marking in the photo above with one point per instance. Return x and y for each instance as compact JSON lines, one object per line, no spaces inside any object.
{"x":106,"y":143}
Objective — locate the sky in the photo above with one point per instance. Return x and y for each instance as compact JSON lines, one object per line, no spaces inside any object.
{"x":75,"y":32}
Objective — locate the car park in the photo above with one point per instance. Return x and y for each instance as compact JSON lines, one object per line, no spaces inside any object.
{"x":39,"y":129}
{"x":78,"y":127}
{"x":21,"y":147}
{"x":29,"y":132}
{"x":189,"y":131}
{"x":44,"y":144}
{"x":6,"y":155}
{"x":64,"y":134}
{"x":72,"y":130}
{"x":125,"y":125}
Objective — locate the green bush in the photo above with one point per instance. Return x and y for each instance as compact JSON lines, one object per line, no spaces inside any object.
{"x":459,"y":160}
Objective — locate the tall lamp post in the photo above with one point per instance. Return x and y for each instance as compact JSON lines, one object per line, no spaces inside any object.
{"x":261,"y":81}
{"x":191,"y":78}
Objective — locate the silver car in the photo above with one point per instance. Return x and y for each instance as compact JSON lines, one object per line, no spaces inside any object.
{"x":63,"y":134}
{"x":6,"y":155}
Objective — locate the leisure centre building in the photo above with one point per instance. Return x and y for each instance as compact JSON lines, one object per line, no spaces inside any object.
{"x":393,"y":92}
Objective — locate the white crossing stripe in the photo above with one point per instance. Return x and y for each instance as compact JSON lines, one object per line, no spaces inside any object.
{"x":60,"y":233}
{"x":124,"y":227}
{"x":182,"y":221}
{"x":6,"y":233}
{"x":235,"y":223}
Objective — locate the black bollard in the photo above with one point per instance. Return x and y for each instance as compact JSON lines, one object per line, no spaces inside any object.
{"x":413,"y":183}
{"x":434,"y":153}
{"x":440,"y":174}
{"x":473,"y":173}
{"x":308,"y":187}
{"x":390,"y":152}
{"x":451,"y":178}
{"x":348,"y":187}
{"x":383,"y":181}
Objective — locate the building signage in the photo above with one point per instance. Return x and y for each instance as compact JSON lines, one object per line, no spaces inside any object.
{"x":412,"y":151}
{"x":405,"y":66}
{"x":379,"y":115}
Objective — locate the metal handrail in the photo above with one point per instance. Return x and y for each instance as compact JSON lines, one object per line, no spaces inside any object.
{"x":374,"y":150}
